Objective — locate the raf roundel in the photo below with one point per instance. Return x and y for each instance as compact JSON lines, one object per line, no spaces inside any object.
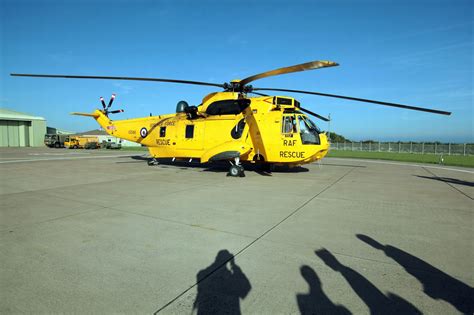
{"x":143,"y":132}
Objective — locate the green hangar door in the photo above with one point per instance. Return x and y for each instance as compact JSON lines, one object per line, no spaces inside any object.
{"x":14,"y":133}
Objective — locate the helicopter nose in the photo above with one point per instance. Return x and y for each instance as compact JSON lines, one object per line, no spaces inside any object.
{"x":320,"y":150}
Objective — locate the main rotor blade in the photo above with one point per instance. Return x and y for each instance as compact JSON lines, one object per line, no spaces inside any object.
{"x":296,"y":68}
{"x":114,"y":78}
{"x":261,"y":94}
{"x":314,"y":114}
{"x":422,"y":109}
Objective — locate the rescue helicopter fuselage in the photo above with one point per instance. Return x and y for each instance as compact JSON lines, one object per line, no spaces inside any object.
{"x":226,"y":126}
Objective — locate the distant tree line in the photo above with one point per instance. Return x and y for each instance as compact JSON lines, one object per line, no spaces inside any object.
{"x":334,"y":137}
{"x":337,"y":138}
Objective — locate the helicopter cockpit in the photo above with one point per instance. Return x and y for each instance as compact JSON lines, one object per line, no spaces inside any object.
{"x":298,"y":123}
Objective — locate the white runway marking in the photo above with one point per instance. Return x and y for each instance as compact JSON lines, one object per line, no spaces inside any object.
{"x":407,"y":164}
{"x":66,"y":158}
{"x":59,"y":154}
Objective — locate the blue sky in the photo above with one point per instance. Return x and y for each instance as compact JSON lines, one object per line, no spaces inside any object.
{"x":410,"y":52}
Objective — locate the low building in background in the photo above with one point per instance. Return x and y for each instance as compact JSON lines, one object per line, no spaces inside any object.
{"x":21,"y":130}
{"x":104,"y":136}
{"x":56,"y":131}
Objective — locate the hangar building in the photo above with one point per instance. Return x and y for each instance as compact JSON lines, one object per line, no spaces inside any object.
{"x":21,"y":130}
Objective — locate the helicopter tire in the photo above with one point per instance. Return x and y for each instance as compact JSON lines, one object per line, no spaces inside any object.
{"x":152,"y":162}
{"x":236,"y":171}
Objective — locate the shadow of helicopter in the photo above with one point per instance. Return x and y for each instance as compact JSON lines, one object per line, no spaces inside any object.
{"x":218,"y":166}
{"x":449,"y":180}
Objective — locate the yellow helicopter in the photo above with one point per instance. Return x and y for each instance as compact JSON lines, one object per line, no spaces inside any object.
{"x":229,"y":125}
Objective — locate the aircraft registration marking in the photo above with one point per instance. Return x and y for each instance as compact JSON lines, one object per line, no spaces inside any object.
{"x":163,"y":141}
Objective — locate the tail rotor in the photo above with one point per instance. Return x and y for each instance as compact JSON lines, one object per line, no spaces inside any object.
{"x":106,"y":108}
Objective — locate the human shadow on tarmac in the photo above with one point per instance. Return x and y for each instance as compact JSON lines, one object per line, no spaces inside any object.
{"x":378,"y":302}
{"x":221,"y":286}
{"x":449,"y":180}
{"x":436,"y":284}
{"x":316,"y":301}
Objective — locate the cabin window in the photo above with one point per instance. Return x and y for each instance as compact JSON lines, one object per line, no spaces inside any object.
{"x":227,"y":107}
{"x":237,"y":131}
{"x":288,"y":124}
{"x":189,"y":131}
{"x":162,"y":132}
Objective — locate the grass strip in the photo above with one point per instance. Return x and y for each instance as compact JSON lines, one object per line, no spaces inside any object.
{"x":452,"y":160}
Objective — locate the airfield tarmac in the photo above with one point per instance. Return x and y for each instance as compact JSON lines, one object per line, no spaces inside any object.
{"x":102,"y":232}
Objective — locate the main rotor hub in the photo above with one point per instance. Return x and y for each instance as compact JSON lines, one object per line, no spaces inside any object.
{"x":236,"y":86}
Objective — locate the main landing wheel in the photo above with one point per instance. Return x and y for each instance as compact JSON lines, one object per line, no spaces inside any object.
{"x":236,"y":171}
{"x":152,"y":162}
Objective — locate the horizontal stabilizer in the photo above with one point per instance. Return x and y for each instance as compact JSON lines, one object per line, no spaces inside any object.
{"x":85,"y":114}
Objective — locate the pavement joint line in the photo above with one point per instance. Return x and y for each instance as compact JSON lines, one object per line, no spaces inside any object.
{"x":136,"y":196}
{"x":179,"y":222}
{"x":389,"y":203}
{"x":254,"y":241}
{"x":66,"y":158}
{"x":78,"y":185}
{"x":98,"y":208}
{"x":405,"y":164}
{"x":449,"y":184}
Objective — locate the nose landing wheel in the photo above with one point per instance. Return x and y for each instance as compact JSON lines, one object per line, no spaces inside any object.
{"x":236,"y":170}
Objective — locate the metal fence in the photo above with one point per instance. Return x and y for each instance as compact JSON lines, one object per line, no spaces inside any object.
{"x":412,"y":147}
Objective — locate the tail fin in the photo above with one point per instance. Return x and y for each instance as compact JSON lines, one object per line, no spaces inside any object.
{"x":101,"y":119}
{"x":86,"y":114}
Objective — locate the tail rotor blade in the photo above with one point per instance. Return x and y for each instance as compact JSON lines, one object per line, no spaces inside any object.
{"x":116,"y":111}
{"x":111,"y":101}
{"x":103,"y":103}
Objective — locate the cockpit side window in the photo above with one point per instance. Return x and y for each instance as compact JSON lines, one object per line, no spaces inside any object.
{"x":309,"y":131}
{"x":288,"y":124}
{"x":311,"y":124}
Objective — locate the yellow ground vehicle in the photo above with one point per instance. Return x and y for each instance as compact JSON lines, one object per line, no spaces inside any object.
{"x":230,"y":125}
{"x":78,"y":142}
